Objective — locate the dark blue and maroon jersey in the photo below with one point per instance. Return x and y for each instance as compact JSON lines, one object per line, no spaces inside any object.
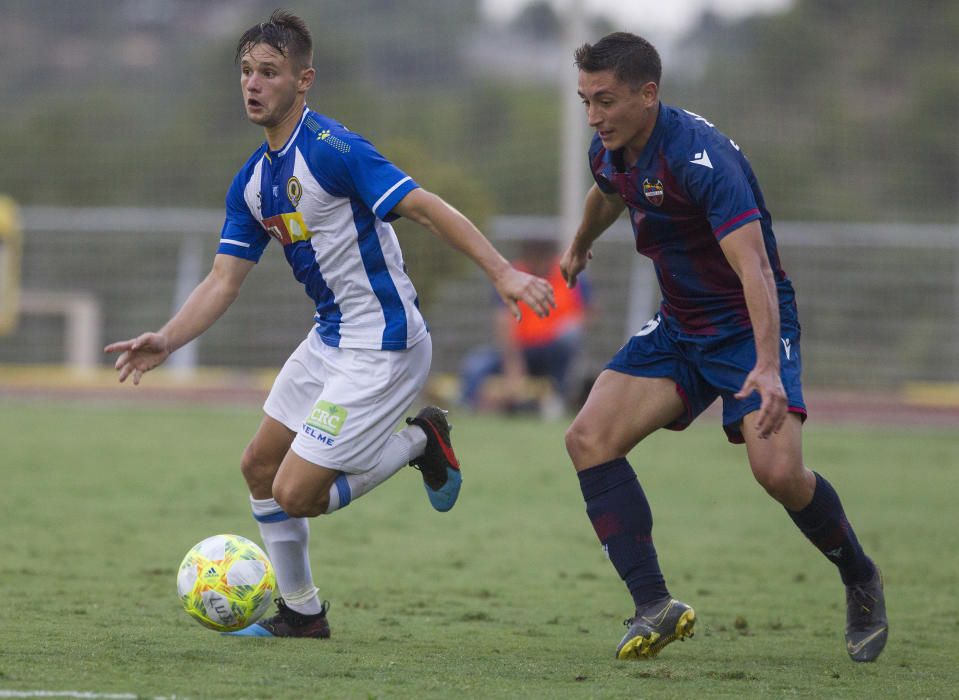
{"x":690,"y":187}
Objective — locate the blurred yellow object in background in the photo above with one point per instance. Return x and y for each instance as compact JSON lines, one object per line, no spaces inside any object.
{"x":10,"y":249}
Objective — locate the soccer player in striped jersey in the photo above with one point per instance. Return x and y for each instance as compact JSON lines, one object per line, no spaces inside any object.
{"x":327,"y":196}
{"x":727,"y":326}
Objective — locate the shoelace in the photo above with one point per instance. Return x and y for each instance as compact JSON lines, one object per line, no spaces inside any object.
{"x":863,"y":598}
{"x":864,"y":605}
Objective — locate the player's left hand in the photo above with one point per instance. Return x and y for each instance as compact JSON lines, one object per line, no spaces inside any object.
{"x":772,"y":395}
{"x":515,"y":286}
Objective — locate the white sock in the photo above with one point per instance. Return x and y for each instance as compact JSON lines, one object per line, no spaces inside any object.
{"x":399,"y":450}
{"x":287,"y":544}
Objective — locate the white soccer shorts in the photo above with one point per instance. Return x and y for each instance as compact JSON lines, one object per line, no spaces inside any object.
{"x":344,"y":403}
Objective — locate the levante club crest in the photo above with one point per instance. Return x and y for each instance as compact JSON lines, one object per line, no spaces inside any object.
{"x":653,"y":189}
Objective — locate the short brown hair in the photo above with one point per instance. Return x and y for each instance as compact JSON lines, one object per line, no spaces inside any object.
{"x":284,"y":32}
{"x":632,"y":59}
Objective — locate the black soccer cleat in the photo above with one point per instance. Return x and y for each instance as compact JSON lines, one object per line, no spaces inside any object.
{"x":866,"y":625}
{"x":656,"y":625}
{"x":438,"y":463}
{"x":289,"y":623}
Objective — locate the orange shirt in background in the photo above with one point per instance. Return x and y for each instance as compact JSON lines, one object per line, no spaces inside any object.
{"x":569,"y":312}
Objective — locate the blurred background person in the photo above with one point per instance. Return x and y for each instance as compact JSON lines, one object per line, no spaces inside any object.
{"x":532,"y":348}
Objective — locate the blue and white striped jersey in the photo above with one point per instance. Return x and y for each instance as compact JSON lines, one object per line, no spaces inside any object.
{"x":326,"y":196}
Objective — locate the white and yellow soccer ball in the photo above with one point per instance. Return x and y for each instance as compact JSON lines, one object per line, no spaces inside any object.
{"x":226,"y":582}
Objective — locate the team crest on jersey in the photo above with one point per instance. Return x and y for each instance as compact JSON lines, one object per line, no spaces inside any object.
{"x":294,"y":190}
{"x":653,"y":189}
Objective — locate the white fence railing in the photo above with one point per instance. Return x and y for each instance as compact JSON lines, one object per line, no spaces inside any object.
{"x":879,"y":303}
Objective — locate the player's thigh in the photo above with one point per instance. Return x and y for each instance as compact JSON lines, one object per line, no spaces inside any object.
{"x":271,"y":441}
{"x":302,"y":488}
{"x":776,"y":462}
{"x":620,"y":411}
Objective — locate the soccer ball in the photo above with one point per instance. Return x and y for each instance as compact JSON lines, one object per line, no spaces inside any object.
{"x":226,"y":582}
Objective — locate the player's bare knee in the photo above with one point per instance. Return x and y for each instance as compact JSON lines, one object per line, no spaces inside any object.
{"x":574,"y":441}
{"x":783,"y":484}
{"x":257,"y":471}
{"x":583,"y":445}
{"x":248,"y":463}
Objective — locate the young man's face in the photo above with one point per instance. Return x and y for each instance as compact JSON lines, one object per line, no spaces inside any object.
{"x":270,"y":84}
{"x":621,"y":115}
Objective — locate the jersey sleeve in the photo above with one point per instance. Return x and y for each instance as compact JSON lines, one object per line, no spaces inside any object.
{"x":716,"y":180}
{"x":355,"y":168}
{"x":242,"y":235}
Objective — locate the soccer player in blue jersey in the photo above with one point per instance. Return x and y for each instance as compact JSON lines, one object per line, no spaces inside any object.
{"x":327,"y":196}
{"x":727,"y":327}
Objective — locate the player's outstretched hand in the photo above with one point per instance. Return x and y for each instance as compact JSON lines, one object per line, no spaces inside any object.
{"x":773,"y":405}
{"x":515,"y":286}
{"x":572,"y":263}
{"x":139,"y":355}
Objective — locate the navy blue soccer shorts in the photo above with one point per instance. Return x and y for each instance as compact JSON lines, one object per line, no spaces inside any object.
{"x":707,"y":367}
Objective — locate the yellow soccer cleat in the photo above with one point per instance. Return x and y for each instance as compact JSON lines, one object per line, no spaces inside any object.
{"x":656,"y":625}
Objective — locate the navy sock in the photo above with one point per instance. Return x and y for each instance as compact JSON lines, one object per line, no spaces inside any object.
{"x":824,"y":523}
{"x":623,"y":521}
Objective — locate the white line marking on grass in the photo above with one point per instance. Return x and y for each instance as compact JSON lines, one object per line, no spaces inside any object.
{"x":82,"y":694}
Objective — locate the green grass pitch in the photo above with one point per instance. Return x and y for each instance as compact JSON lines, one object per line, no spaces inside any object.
{"x":509,"y":595}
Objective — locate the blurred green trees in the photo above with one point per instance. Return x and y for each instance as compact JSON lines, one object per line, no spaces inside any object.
{"x":847,"y":110}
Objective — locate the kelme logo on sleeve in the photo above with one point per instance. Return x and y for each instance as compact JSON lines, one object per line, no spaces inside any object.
{"x":327,"y":417}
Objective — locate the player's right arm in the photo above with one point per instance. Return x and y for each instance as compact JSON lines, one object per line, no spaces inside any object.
{"x":513,"y":285}
{"x":599,"y":213}
{"x":206,"y":303}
